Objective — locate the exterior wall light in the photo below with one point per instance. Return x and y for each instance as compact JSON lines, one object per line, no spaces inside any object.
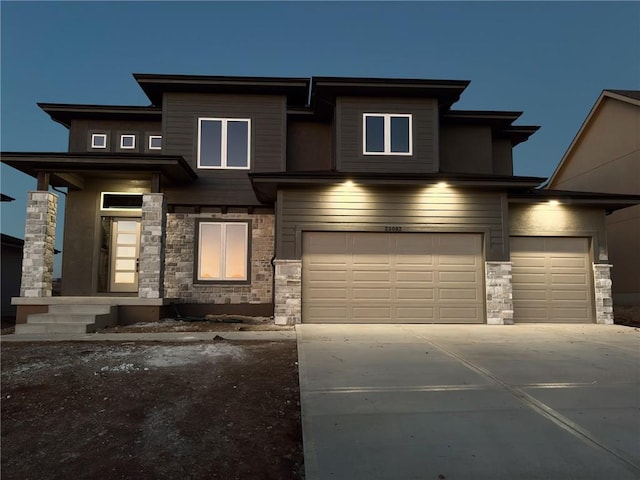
{"x":442,"y":185}
{"x":348,"y":183}
{"x":554,"y":203}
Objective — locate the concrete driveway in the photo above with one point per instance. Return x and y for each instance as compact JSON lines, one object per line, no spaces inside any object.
{"x":470,"y":402}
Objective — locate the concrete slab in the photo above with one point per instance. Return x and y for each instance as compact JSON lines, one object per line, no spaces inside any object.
{"x":470,"y":402}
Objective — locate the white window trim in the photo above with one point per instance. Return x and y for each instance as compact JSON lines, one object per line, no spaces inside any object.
{"x":223,"y":142}
{"x":153,"y":137}
{"x":223,"y":240}
{"x":93,"y":140}
{"x":127,"y":135}
{"x":116,"y":209}
{"x":387,"y":133}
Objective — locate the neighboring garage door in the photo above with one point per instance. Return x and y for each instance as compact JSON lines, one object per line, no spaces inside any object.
{"x":392,"y":278}
{"x":551,"y":280}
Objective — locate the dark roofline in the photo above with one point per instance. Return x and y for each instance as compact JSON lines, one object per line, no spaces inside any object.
{"x":63,"y":113}
{"x":634,"y":94}
{"x":154,"y":85}
{"x":8,"y":240}
{"x":499,"y":121}
{"x":608,"y":201}
{"x":6,"y":198}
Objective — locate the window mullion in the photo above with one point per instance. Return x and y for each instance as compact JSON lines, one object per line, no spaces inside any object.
{"x":223,"y":251}
{"x":223,"y":144}
{"x":387,"y":134}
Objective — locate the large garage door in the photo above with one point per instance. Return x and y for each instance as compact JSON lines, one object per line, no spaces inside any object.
{"x":392,"y":278}
{"x":551,"y":280}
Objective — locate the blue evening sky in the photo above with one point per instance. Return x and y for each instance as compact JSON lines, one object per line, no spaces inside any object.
{"x":550,"y":60}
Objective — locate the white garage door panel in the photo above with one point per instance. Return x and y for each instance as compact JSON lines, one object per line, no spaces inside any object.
{"x":551,"y":279}
{"x":392,"y":277}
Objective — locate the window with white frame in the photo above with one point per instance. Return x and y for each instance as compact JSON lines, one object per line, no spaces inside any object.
{"x":99,"y":140}
{"x":155,"y":142}
{"x":224,"y":143}
{"x":223,"y":251}
{"x":387,"y":134}
{"x":127,"y":142}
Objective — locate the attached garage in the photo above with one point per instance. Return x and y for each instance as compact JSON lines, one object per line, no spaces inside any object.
{"x":551,"y":280}
{"x":357,"y":277}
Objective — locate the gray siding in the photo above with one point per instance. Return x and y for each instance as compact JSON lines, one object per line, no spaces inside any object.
{"x":349,"y":130}
{"x":466,"y":149}
{"x":374,"y":210}
{"x":309,"y":146}
{"x":81,"y":130}
{"x":180,"y":114}
{"x":502,"y":156}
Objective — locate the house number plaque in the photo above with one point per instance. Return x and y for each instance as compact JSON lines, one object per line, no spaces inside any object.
{"x":392,"y":228}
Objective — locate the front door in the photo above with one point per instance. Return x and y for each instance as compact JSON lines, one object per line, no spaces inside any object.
{"x":125,"y":251}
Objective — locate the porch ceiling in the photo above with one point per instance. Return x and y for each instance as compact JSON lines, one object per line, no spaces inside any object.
{"x":71,"y":169}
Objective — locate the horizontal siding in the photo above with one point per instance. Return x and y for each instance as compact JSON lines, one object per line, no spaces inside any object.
{"x":221,"y":187}
{"x":373,"y":210}
{"x":350,"y":130}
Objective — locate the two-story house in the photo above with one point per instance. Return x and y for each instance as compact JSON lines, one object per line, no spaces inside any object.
{"x":312,"y":200}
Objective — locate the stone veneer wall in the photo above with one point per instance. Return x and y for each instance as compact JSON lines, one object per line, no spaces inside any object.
{"x":604,"y":299}
{"x":288,"y":297}
{"x":151,"y":271}
{"x":180,"y":262}
{"x":499,"y":294}
{"x":39,"y":240}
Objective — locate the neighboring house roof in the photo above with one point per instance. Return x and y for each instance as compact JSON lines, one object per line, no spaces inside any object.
{"x":69,"y":169}
{"x":8,"y":240}
{"x":608,"y":201}
{"x":6,"y":198}
{"x":63,"y":113}
{"x":154,"y":85}
{"x":628,"y":96}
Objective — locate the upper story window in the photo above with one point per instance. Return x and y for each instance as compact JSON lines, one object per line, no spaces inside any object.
{"x":387,"y":134}
{"x":99,"y":140}
{"x":224,"y":143}
{"x":127,"y":142}
{"x":155,"y":142}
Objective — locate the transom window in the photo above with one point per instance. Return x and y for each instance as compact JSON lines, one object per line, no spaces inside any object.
{"x":155,"y":142}
{"x":224,"y":143}
{"x":127,"y":142}
{"x":222,"y":251}
{"x":387,"y":134}
{"x":99,"y":140}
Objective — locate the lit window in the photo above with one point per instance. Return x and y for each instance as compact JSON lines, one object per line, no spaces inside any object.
{"x":155,"y":142}
{"x":99,"y":140}
{"x":224,"y":143}
{"x":121,"y":201}
{"x":127,"y":142}
{"x":222,"y":251}
{"x":387,"y":134}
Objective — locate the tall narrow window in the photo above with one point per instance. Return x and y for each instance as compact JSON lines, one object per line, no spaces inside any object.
{"x":224,"y":143}
{"x":387,"y":134}
{"x":223,"y":251}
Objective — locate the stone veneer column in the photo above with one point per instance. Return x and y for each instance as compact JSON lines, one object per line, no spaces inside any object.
{"x":151,"y":271}
{"x":288,"y":292}
{"x":499,"y":288}
{"x":39,"y":240}
{"x":604,"y":299}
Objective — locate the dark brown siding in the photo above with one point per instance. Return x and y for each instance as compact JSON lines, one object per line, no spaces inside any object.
{"x":349,"y":130}
{"x":308,"y":146}
{"x":502,"y":156}
{"x":370,"y":210}
{"x":180,"y":114}
{"x":81,"y":130}
{"x":465,"y":149}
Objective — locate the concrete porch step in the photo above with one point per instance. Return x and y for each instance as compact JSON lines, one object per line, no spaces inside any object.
{"x":26,"y":328}
{"x":68,"y":318}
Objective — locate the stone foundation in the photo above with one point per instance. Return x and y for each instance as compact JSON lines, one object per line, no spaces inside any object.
{"x":39,"y":240}
{"x":151,"y":271}
{"x":499,"y":296}
{"x":604,"y":300}
{"x":288,"y":295}
{"x":180,"y":261}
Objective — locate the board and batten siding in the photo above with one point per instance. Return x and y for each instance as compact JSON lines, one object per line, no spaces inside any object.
{"x":360,"y":209}
{"x":349,"y":131}
{"x":180,"y":113}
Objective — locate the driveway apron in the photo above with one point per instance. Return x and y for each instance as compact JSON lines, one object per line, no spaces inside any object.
{"x":470,"y":401}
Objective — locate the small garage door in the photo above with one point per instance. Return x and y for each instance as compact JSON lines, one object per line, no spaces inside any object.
{"x":392,"y":278}
{"x":551,"y":280}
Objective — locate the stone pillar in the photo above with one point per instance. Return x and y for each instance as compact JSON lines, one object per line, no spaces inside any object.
{"x":288,"y":292}
{"x":153,"y":226}
{"x":499,"y":294}
{"x":604,"y":299}
{"x":39,"y":240}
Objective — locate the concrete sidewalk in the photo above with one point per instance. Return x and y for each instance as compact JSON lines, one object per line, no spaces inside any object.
{"x":270,"y":335}
{"x":470,"y":402}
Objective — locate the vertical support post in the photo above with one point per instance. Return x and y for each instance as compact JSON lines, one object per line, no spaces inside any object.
{"x":603,"y":295}
{"x":499,"y":295}
{"x":152,"y":241}
{"x":288,"y":292}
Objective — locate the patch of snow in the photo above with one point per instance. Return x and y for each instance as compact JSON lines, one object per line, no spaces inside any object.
{"x":124,"y":367}
{"x":172,"y":356}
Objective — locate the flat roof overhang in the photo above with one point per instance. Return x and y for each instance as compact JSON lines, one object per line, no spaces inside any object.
{"x":608,"y":201}
{"x":266,"y":185}
{"x":154,"y":85}
{"x":64,"y":113}
{"x":71,"y":169}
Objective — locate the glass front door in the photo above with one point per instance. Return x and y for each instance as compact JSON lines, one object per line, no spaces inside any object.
{"x":125,"y":251}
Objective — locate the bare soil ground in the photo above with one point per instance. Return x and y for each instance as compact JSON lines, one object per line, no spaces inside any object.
{"x":204,"y":410}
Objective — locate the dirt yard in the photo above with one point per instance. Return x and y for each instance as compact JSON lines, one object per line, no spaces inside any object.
{"x":205,"y":410}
